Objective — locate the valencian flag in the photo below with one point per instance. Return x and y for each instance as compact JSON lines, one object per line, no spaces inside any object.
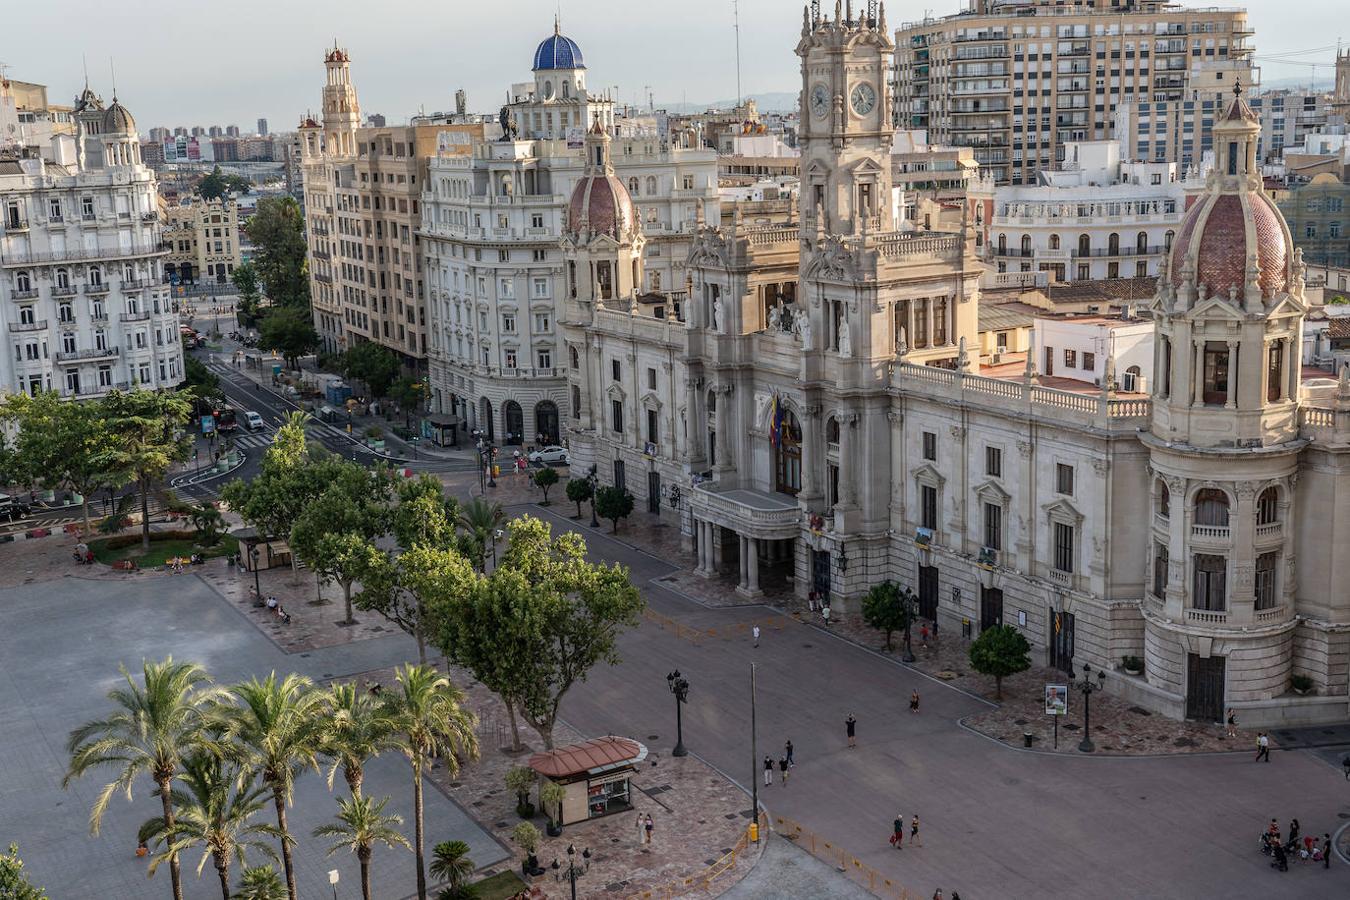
{"x":775,"y":421}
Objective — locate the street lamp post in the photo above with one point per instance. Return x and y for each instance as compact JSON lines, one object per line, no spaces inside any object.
{"x":679,"y":686}
{"x":492,"y":469}
{"x":907,"y":598}
{"x":573,"y":871}
{"x":253,"y":557}
{"x":333,"y":877}
{"x":1088,"y":688}
{"x":595,"y":484}
{"x":496,"y":536}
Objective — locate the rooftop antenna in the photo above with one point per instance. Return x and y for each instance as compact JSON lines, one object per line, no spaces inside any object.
{"x":113,"y":69}
{"x":84,"y":61}
{"x":736,"y":20}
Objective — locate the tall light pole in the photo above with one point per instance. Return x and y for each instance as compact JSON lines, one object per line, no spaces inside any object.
{"x":907,"y":598}
{"x":573,"y":870}
{"x":333,"y":877}
{"x":754,"y":757}
{"x":679,"y":686}
{"x":253,"y":556}
{"x":1088,"y":688}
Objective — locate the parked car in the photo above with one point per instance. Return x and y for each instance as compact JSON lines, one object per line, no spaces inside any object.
{"x":553,"y":455}
{"x":12,"y":509}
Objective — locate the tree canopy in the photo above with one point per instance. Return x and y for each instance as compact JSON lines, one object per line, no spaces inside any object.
{"x":884,"y":608}
{"x":147,"y":437}
{"x":1000,"y":651}
{"x":13,"y":884}
{"x":219,"y":185}
{"x":372,"y":364}
{"x":613,"y":503}
{"x":277,"y":231}
{"x":290,"y":332}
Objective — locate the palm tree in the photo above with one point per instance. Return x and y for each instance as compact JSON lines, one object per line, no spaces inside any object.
{"x":274,"y":727}
{"x":356,"y":729}
{"x":481,"y":518}
{"x":150,"y":731}
{"x":451,"y":864}
{"x":431,"y":722}
{"x":213,"y":809}
{"x":362,"y":825}
{"x":260,"y":883}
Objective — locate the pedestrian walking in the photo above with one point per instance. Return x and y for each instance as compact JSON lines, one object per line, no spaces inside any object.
{"x":647,"y":826}
{"x":914,"y":702}
{"x":1293,"y":832}
{"x":1262,"y":747}
{"x":1232,"y":724}
{"x":782,"y":769}
{"x":825,"y":613}
{"x":768,"y":771}
{"x":1326,"y":851}
{"x":937,"y":895}
{"x":851,"y":726}
{"x":755,"y":632}
{"x":1281,"y":862}
{"x":787,"y":748}
{"x":923,"y":636}
{"x":935,"y":629}
{"x":914,"y":832}
{"x":898,"y":832}
{"x":641,"y":831}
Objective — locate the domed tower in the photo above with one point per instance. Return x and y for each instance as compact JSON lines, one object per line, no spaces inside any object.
{"x":559,"y":68}
{"x":341,"y":110}
{"x":1219,"y":613}
{"x":602,"y":240}
{"x":121,"y":145}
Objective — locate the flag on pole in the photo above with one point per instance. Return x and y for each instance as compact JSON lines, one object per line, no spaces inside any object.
{"x":775,"y":422}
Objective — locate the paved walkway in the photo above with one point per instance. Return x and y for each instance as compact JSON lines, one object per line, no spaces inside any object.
{"x":788,"y":871}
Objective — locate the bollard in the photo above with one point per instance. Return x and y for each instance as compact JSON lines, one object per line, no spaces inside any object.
{"x":754,"y":832}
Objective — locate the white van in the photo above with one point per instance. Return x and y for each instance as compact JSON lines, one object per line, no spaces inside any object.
{"x":253,"y":421}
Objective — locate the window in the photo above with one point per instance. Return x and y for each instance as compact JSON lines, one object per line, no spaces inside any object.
{"x":1159,"y":569}
{"x":1275,"y":372}
{"x":1210,"y":584}
{"x":542,"y":323}
{"x":508,"y":323}
{"x":615,"y":370}
{"x":54,"y":209}
{"x":929,"y":445}
{"x":539,"y":287}
{"x":1164,"y":501}
{"x":510,"y":356}
{"x":928,"y":507}
{"x":1063,"y":547}
{"x":544,"y":359}
{"x":87,"y":207}
{"x":651,"y":379}
{"x":688,"y":182}
{"x":1211,"y":508}
{"x":616,"y":416}
{"x":993,"y":462}
{"x":1064,"y":479}
{"x":993,"y":526}
{"x":1070,"y":359}
{"x":1216,"y":373}
{"x":1089,"y":362}
{"x":23,"y":282}
{"x":1268,"y":507}
{"x":1265,"y":579}
{"x":574,"y":357}
{"x":576,"y":402}
{"x":653,"y":433}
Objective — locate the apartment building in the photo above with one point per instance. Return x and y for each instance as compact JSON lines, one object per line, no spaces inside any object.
{"x":203,"y":240}
{"x":1017,"y":80}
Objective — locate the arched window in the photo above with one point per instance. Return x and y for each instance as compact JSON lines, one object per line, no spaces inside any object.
{"x":1026,"y":245}
{"x":1141,"y":242}
{"x":1054,"y":242}
{"x":633,"y":186}
{"x":95,"y":275}
{"x":128,"y":272}
{"x":651,"y":184}
{"x":1002,"y":244}
{"x":1084,"y":245}
{"x":832,"y":431}
{"x":62,"y":278}
{"x":1167,"y":240}
{"x":788,"y":456}
{"x":1268,"y":507}
{"x":1211,"y":508}
{"x":712,"y":401}
{"x":1113,"y":244}
{"x":566,"y":89}
{"x":1164,"y":500}
{"x":575,"y":357}
{"x":23,"y":282}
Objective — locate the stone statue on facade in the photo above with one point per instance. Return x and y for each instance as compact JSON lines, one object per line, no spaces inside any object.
{"x":801,"y":326}
{"x":508,"y":122}
{"x":845,"y":339}
{"x":717,"y":314}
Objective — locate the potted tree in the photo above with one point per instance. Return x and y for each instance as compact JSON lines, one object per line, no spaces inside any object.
{"x":551,"y":796}
{"x":521,"y":779}
{"x":1133,"y":665}
{"x":526,"y":837}
{"x":578,"y":491}
{"x":1302,"y":685}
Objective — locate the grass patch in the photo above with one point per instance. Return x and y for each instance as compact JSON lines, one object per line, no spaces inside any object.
{"x":162,"y":547}
{"x":499,"y":886}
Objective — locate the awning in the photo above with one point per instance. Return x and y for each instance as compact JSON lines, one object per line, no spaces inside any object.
{"x":596,"y":755}
{"x":440,"y":420}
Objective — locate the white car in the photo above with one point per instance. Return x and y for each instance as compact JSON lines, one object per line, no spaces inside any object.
{"x":551,"y":455}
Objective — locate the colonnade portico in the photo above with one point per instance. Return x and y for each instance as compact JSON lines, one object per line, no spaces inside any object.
{"x":764,"y":525}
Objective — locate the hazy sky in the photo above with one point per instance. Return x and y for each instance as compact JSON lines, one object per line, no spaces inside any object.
{"x":192,"y":62}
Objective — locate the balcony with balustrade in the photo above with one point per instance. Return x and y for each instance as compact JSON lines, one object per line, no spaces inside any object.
{"x":36,"y":325}
{"x":91,"y":354}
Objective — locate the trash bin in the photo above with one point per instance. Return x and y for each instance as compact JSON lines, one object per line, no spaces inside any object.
{"x":1027,"y":738}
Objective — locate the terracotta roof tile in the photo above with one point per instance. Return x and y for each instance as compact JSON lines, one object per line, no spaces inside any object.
{"x":592,"y":754}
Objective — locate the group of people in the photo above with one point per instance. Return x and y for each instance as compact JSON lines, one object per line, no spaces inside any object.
{"x":272,"y":604}
{"x":785,"y":762}
{"x":644,"y":828}
{"x":1298,"y":845}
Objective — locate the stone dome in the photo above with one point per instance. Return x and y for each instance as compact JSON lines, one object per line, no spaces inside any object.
{"x":601,"y":204}
{"x":116,"y":120}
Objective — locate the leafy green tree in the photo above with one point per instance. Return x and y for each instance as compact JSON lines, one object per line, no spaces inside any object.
{"x":361,"y":824}
{"x":355,"y":729}
{"x":408,"y":393}
{"x":613,"y":503}
{"x":212,"y":187}
{"x":429,"y":716}
{"x":277,"y":231}
{"x":147,"y":438}
{"x":884,"y":608}
{"x":198,"y":378}
{"x":480,"y":518}
{"x":450,"y":863}
{"x":153,"y":727}
{"x":273,"y":728}
{"x":260,"y":883}
{"x":546,"y":478}
{"x":542,"y":620}
{"x":289,"y":332}
{"x":579,"y":490}
{"x":335,"y":533}
{"x":13,"y":884}
{"x":66,"y":446}
{"x":1000,"y":651}
{"x":213,"y":810}
{"x":245,"y":278}
{"x":373,"y":365}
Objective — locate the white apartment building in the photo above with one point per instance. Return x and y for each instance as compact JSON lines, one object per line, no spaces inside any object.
{"x":1095,"y":216}
{"x":490,"y":230}
{"x":82,"y":296}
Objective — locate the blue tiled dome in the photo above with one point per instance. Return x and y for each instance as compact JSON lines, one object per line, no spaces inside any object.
{"x":558,"y":52}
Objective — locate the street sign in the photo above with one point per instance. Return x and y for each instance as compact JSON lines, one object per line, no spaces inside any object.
{"x":1056,"y":699}
{"x":208,"y":424}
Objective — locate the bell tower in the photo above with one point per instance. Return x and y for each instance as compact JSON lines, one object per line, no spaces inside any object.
{"x":846,"y":120}
{"x":341,"y":110}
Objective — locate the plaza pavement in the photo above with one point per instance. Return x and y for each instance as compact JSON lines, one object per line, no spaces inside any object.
{"x":60,"y":644}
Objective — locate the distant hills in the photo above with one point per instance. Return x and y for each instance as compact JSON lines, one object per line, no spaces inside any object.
{"x":770,"y":101}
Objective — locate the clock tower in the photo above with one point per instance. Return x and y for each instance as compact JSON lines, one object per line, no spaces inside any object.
{"x":846,"y":131}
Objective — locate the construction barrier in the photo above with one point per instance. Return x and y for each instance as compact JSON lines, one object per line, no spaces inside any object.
{"x":704,"y":880}
{"x":844,"y":861}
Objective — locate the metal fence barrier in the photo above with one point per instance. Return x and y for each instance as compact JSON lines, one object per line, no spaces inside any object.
{"x":843,"y":861}
{"x":705,"y":879}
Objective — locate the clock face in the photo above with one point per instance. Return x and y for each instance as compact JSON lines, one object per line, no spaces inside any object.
{"x":820,"y":101}
{"x":863,"y":99}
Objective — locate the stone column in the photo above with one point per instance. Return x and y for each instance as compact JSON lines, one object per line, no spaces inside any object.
{"x":745,"y":568}
{"x":847,"y":462}
{"x":1198,"y":374}
{"x":909,"y":322}
{"x":1265,"y":372}
{"x":928,"y":312}
{"x":723,"y":419}
{"x":1292,"y":368}
{"x":1242,"y":528}
{"x":810,"y":421}
{"x":752,"y":564}
{"x":1230,"y":401}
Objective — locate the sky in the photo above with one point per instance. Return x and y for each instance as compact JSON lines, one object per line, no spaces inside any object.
{"x":194,"y":62}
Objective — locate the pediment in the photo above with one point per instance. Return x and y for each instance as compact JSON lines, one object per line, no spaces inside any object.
{"x":1063,"y":511}
{"x":1218,"y":308}
{"x":926,"y":474}
{"x":992,"y":492}
{"x":865,"y":166}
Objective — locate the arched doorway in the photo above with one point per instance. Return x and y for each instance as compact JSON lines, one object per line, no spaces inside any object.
{"x":546,"y":422}
{"x":513,"y":422}
{"x":485,"y":424}
{"x":171,"y":272}
{"x":787,"y":457}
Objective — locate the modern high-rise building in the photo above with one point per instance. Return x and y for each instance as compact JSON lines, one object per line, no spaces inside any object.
{"x":82,"y":295}
{"x":1017,"y":79}
{"x":263,"y":130}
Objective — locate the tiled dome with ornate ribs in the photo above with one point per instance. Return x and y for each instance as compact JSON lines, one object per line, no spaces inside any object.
{"x":558,"y":51}
{"x":117,"y":120}
{"x":1215,"y":235}
{"x":601,"y":204}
